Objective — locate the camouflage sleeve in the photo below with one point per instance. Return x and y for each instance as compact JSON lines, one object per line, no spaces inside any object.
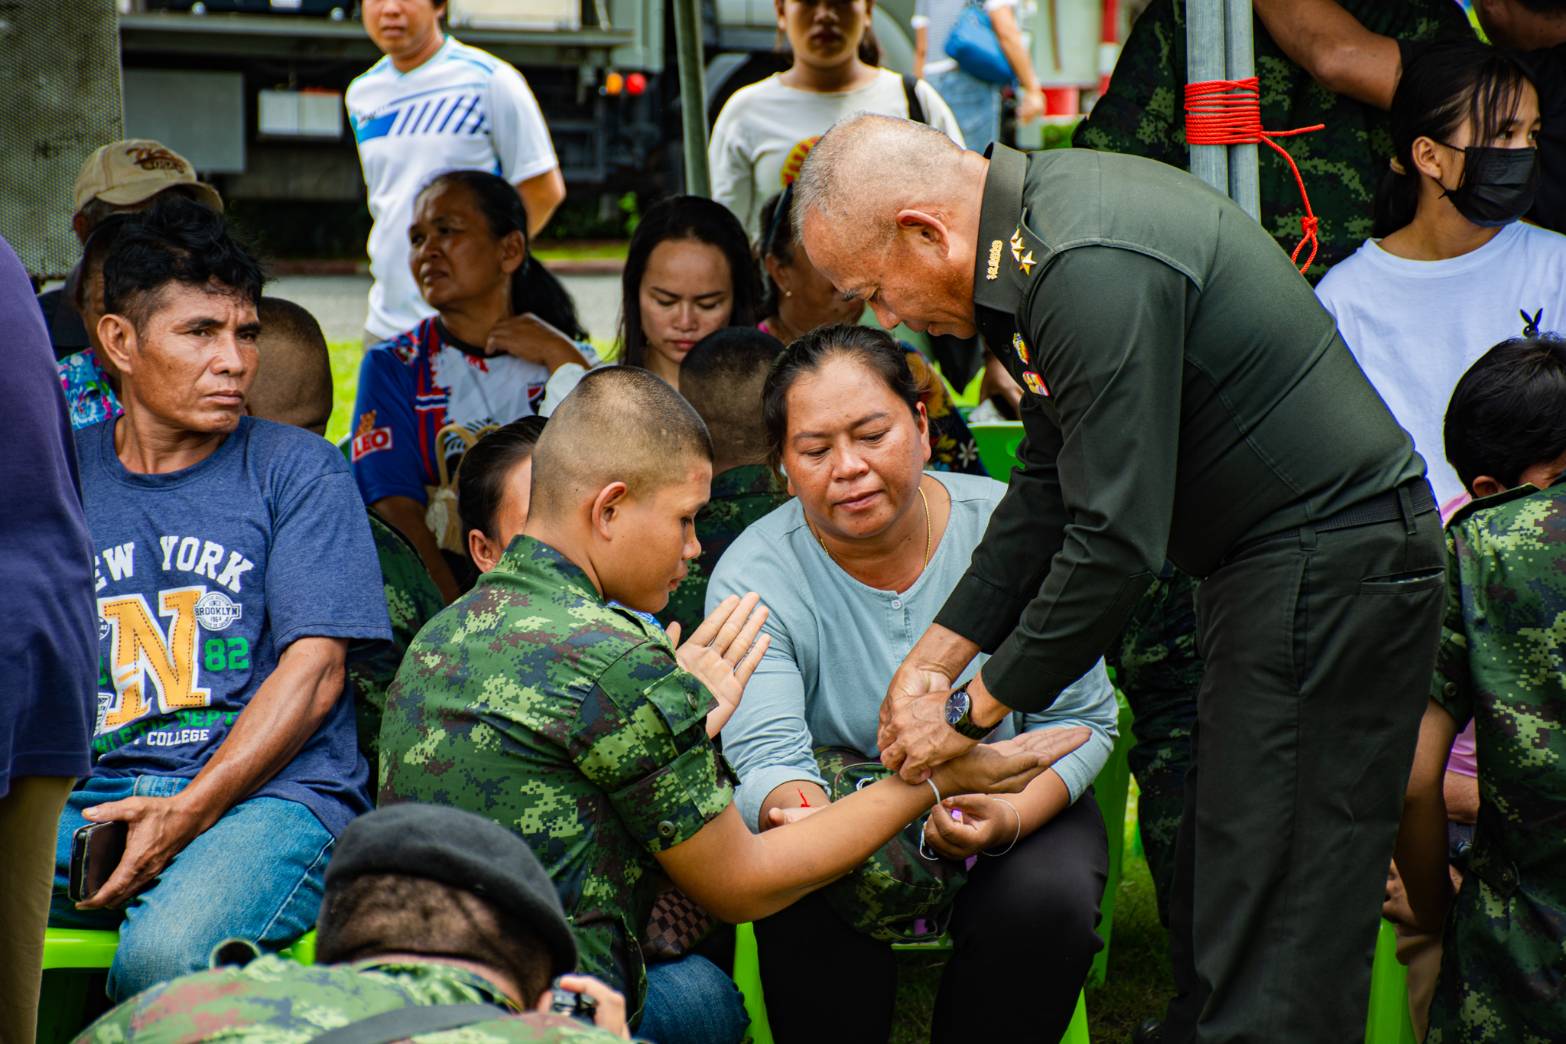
{"x":1141,"y":113}
{"x":118,"y":1025}
{"x":641,"y":737}
{"x":1451,"y":685}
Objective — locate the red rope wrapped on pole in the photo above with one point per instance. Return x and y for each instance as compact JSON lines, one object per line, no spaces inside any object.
{"x":1228,"y":112}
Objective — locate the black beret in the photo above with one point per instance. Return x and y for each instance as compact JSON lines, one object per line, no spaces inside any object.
{"x":461,"y":850}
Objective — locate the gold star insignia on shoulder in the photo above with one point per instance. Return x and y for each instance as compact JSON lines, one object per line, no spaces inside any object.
{"x":1017,"y":244}
{"x":1026,"y":263}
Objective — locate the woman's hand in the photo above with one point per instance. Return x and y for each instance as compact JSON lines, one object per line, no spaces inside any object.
{"x":529,"y":337}
{"x":960,"y":827}
{"x":724,"y":652}
{"x":1010,"y":765}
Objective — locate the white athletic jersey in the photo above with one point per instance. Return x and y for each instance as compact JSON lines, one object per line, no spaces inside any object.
{"x":463,"y":109}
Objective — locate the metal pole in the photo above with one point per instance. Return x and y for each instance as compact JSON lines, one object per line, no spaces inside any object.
{"x":1240,"y":52}
{"x":1204,"y":60}
{"x":693,"y":94}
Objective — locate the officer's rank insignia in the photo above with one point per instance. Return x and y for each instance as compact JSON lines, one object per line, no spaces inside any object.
{"x":1021,"y":348}
{"x":1035,"y":383}
{"x":1024,"y":258}
{"x":992,"y":272}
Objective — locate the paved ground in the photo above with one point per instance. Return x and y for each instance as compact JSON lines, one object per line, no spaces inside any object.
{"x":338,"y":302}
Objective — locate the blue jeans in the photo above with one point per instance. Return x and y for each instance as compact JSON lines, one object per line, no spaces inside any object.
{"x":976,"y":105}
{"x":691,"y":1001}
{"x":256,"y":874}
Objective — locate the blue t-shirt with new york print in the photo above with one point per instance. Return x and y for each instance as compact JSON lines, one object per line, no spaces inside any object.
{"x":204,"y":577}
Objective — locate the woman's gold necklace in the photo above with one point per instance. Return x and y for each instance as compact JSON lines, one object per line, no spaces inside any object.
{"x":928,"y":530}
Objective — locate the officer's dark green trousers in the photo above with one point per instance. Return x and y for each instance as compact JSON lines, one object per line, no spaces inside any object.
{"x":1319,"y":648}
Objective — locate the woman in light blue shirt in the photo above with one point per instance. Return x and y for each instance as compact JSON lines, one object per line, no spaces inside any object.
{"x":853,"y":570}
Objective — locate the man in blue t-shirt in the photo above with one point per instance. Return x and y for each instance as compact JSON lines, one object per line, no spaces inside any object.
{"x":233,"y":565}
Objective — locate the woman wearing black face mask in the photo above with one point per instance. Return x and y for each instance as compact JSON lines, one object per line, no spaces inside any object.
{"x":1455,"y":271}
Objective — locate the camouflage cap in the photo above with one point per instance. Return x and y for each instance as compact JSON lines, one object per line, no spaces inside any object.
{"x":462,"y":850}
{"x":128,"y":172}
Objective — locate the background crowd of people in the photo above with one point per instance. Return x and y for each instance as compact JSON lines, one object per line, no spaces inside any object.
{"x":637,"y":605}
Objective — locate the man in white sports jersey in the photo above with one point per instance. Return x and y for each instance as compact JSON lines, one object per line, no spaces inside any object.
{"x":433,"y":104}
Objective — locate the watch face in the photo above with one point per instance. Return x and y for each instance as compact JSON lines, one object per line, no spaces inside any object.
{"x":956,"y":707}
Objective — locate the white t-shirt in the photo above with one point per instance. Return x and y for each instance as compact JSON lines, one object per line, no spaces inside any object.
{"x":464,"y":109}
{"x":766,"y":129}
{"x":938,"y":18}
{"x":1416,"y":326}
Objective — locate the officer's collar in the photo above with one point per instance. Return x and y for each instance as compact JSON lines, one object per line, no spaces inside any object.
{"x":1008,"y":255}
{"x":529,"y":556}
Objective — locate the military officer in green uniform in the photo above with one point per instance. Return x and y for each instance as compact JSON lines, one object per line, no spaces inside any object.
{"x":1187,"y":399}
{"x":436,"y":925}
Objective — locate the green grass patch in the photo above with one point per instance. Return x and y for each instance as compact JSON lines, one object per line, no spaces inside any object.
{"x":345,"y":384}
{"x":581,"y":250}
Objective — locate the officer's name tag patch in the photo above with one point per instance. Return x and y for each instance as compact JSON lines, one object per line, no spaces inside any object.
{"x":993,"y":271}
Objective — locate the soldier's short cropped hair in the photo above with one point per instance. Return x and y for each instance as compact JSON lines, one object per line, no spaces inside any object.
{"x":1508,"y":412}
{"x":721,"y":378}
{"x":293,"y":382}
{"x":380,"y":914}
{"x":620,"y":424}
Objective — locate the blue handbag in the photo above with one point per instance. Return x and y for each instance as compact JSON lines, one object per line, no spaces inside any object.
{"x":975,"y":48}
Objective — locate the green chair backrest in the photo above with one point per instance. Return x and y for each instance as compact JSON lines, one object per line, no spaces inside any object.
{"x":998,"y":447}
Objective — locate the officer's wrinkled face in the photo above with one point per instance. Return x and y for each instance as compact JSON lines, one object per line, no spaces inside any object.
{"x":647,"y":537}
{"x":914,"y":276}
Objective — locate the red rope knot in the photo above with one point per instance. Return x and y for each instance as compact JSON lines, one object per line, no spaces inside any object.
{"x":1228,"y":112}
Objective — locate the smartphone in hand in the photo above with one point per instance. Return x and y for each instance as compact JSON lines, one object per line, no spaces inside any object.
{"x":96,"y":849}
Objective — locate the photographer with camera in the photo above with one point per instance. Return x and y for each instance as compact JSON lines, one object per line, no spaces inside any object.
{"x":434,"y":919}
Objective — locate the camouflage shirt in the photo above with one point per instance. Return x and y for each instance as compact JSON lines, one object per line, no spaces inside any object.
{"x":1503,"y":664}
{"x":411,"y":600}
{"x":1144,"y":113}
{"x":533,"y":701}
{"x":276,"y":1001}
{"x":739,"y":497}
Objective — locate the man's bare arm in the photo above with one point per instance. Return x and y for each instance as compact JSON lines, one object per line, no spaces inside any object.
{"x":1331,"y":44}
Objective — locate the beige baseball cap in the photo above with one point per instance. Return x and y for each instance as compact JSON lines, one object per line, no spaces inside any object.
{"x":128,"y":172}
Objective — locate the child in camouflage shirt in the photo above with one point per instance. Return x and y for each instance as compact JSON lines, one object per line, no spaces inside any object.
{"x":1502,"y":663}
{"x":544,"y":700}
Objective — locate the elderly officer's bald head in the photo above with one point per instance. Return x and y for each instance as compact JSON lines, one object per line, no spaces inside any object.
{"x":888,"y":210}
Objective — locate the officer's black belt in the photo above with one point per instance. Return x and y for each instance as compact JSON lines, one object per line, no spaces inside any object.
{"x":1390,"y":506}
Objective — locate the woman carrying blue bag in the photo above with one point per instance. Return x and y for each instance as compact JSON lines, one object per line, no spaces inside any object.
{"x":968,"y":51}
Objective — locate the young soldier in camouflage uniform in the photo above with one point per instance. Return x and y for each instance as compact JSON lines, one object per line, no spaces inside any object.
{"x":450,"y":924}
{"x":724,"y":387}
{"x":1503,"y":666}
{"x":544,"y":700}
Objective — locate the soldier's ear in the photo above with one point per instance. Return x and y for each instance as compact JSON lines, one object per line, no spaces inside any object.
{"x":1429,"y":159}
{"x":1486,"y":486}
{"x":608,"y":507}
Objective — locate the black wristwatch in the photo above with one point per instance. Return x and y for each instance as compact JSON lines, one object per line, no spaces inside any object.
{"x":959,"y":715}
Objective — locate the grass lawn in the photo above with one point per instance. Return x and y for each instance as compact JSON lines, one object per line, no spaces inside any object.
{"x":1138,"y":983}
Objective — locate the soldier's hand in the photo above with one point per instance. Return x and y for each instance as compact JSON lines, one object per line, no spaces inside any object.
{"x":160,"y":828}
{"x":609,"y":1015}
{"x":914,"y":736}
{"x":724,"y":652}
{"x":1009,"y":766}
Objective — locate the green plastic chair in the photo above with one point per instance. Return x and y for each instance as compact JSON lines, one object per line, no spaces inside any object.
{"x":747,"y":977}
{"x":1388,"y":1021}
{"x":998,"y":444}
{"x":63,"y":998}
{"x":1110,"y":790}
